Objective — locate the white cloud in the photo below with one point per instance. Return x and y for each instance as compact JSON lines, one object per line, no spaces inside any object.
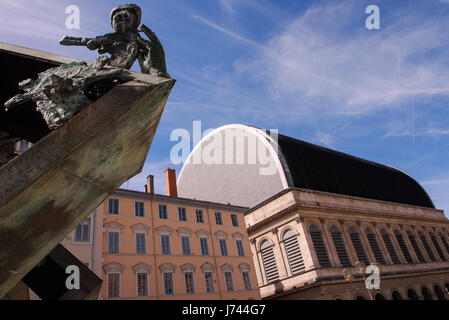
{"x":226,"y":31}
{"x":320,"y":60}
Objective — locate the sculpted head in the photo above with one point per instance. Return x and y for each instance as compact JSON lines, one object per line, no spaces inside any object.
{"x":125,"y":18}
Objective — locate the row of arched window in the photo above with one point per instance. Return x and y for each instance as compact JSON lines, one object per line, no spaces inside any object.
{"x":296,"y":263}
{"x":292,"y":251}
{"x":373,"y":244}
{"x":426,"y":294}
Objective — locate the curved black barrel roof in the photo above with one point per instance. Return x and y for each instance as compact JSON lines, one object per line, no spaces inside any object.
{"x":313,"y":167}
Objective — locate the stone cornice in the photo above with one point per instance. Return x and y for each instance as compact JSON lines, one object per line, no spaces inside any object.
{"x":307,"y":206}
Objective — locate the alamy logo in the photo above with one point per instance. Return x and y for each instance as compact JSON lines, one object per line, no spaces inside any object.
{"x":373,"y":20}
{"x":231,"y":146}
{"x":73,"y":20}
{"x":373,"y":280}
{"x":73,"y":280}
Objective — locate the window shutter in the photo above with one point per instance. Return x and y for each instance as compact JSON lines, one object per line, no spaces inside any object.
{"x":437,"y":246}
{"x":320,"y":248}
{"x":445,"y":243}
{"x":415,"y":246}
{"x":357,"y":243}
{"x":340,"y":247}
{"x":427,"y":247}
{"x":293,"y":251}
{"x":374,"y":246}
{"x":403,"y":246}
{"x":390,"y":247}
{"x":269,"y":261}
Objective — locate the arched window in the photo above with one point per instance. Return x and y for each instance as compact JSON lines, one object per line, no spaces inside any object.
{"x":444,"y":240}
{"x":379,"y":296}
{"x":403,"y":246}
{"x":426,"y":246}
{"x":426,"y":293}
{"x":360,"y":298}
{"x":387,"y":241}
{"x":340,"y":247}
{"x":412,"y":294}
{"x":355,"y":238}
{"x":439,"y":292}
{"x":415,"y":246}
{"x":374,"y":246}
{"x":293,"y":251}
{"x":396,"y":295}
{"x":269,"y":261}
{"x":320,"y":248}
{"x":437,"y":246}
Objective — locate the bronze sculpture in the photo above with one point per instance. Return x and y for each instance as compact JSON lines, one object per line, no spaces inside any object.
{"x":63,"y":91}
{"x":126,"y":45}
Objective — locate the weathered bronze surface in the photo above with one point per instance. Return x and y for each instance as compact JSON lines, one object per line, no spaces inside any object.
{"x":51,"y":188}
{"x":125,"y":45}
{"x":61,"y":92}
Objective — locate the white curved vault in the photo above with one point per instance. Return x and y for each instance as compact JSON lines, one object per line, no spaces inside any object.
{"x":235,"y":163}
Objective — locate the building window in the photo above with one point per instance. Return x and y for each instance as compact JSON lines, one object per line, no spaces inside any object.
{"x":204,"y":246}
{"x":357,"y":243}
{"x":82,"y":233}
{"x":199,"y":216}
{"x":113,"y":285}
{"x":189,"y":282}
{"x":140,"y":243}
{"x":293,"y":251}
{"x":138,"y":209}
{"x":387,"y":241}
{"x":185,"y":241}
{"x":374,"y":246}
{"x":113,"y":242}
{"x":142,"y":284}
{"x":415,"y":247}
{"x":229,"y":281}
{"x":168,"y":283}
{"x":234,"y":220}
{"x":223,"y":247}
{"x":320,"y":248}
{"x":113,"y":206}
{"x":240,"y":250}
{"x":340,"y":247}
{"x":209,"y":280}
{"x":445,"y":243}
{"x":427,"y":247}
{"x":165,"y":244}
{"x":403,"y":246}
{"x":218,"y":219}
{"x":269,"y":261}
{"x":162,"y":211}
{"x":246,"y":280}
{"x":437,"y":246}
{"x":182,"y":214}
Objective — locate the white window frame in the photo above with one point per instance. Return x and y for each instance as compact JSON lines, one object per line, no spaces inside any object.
{"x":212,"y":282}
{"x":147,"y":284}
{"x":143,"y":209}
{"x":172,"y":280}
{"x":119,"y":284}
{"x":145,"y":241}
{"x":193,"y":281}
{"x":118,"y":242}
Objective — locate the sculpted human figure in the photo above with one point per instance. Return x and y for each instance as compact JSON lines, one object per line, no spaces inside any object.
{"x":61,"y":92}
{"x":125,"y":45}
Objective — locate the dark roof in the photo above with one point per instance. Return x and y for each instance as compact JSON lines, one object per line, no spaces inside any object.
{"x":313,"y":167}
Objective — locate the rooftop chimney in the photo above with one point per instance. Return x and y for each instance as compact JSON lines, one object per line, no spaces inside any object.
{"x":170,"y":182}
{"x":149,"y":187}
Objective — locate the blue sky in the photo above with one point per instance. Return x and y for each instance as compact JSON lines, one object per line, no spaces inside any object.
{"x":307,"y":68}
